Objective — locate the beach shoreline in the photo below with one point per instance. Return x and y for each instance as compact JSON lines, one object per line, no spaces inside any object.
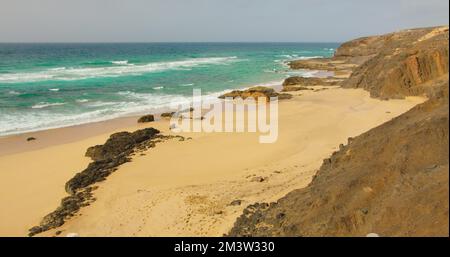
{"x":16,"y":143}
{"x":317,"y":112}
{"x":200,"y":184}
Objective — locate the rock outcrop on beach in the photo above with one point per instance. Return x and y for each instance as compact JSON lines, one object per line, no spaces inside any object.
{"x":297,"y":83}
{"x":255,"y":93}
{"x":146,"y":118}
{"x":107,"y":157}
{"x":392,"y":180}
{"x":117,"y":150}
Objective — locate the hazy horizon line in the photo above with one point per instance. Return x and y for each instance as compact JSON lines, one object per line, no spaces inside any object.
{"x":169,"y":42}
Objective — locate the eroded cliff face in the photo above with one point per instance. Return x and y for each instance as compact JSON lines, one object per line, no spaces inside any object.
{"x":392,"y":180}
{"x":405,"y":63}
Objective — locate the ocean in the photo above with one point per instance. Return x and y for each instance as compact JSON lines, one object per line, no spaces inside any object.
{"x":46,"y":86}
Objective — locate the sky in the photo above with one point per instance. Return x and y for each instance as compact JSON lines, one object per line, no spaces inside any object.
{"x":212,"y":20}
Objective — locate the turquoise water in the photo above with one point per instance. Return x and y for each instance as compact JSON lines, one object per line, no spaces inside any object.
{"x":54,"y":85}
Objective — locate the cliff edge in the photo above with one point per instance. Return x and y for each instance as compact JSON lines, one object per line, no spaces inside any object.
{"x":392,"y":180}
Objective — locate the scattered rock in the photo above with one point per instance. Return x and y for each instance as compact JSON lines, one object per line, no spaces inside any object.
{"x":280,"y":216}
{"x":327,"y":161}
{"x":432,"y":167}
{"x":365,"y":211}
{"x":284,"y":96}
{"x":259,"y":179}
{"x":167,"y":114}
{"x":31,"y":139}
{"x":350,"y":140}
{"x":236,"y":203}
{"x":191,"y":109}
{"x":146,"y":118}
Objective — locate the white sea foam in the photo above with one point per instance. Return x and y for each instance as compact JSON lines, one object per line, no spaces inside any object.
{"x":12,"y":92}
{"x":138,"y":103}
{"x":114,"y":71}
{"x":101,"y":104}
{"x":82,"y":100}
{"x":45,"y":105}
{"x":158,"y":88}
{"x":57,"y":69}
{"x":54,"y":89}
{"x":287,"y":56}
{"x":187,"y":85}
{"x":125,"y":62}
{"x":309,"y":57}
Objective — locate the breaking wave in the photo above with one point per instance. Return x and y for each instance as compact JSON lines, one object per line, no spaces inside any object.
{"x":62,"y":74}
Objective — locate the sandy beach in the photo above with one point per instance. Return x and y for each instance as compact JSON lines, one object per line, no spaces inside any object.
{"x":196,"y":187}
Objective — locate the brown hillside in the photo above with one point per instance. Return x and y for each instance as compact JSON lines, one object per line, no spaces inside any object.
{"x":392,"y":180}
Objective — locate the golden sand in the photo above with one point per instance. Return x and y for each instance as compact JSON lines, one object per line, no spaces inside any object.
{"x":182,"y":188}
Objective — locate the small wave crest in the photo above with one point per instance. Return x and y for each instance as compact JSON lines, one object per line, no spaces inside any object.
{"x":125,"y":62}
{"x":45,"y":105}
{"x":68,"y":74}
{"x":13,"y":92}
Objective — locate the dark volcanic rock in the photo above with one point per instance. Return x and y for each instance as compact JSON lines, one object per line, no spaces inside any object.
{"x":167,"y":114}
{"x":146,"y":118}
{"x":69,"y":206}
{"x":31,"y":139}
{"x":120,"y":143}
{"x":108,"y":156}
{"x":256,"y":92}
{"x":236,"y":203}
{"x":106,"y":159}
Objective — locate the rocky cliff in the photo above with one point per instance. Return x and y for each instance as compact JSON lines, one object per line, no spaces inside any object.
{"x":404,"y":64}
{"x":392,"y":180}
